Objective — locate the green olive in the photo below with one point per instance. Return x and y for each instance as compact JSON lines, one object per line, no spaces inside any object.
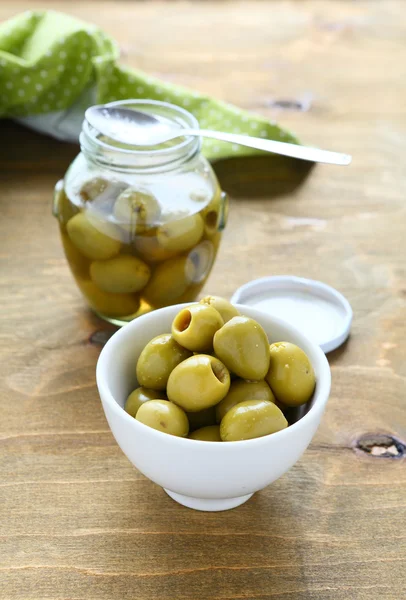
{"x":212,"y":213}
{"x":93,"y":188}
{"x":122,"y":274}
{"x":197,"y":383}
{"x":181,"y":234}
{"x":78,"y":263}
{"x":149,"y":249}
{"x":95,"y":239}
{"x":194,"y":327}
{"x":136,"y":210}
{"x":64,"y":209}
{"x":191,"y":293}
{"x":139,"y":396}
{"x":164,"y":416}
{"x":202,"y":257}
{"x":242,"y":345}
{"x":240,"y":391}
{"x":291,"y":375}
{"x":109,"y":305}
{"x":169,"y":280}
{"x":251,"y":419}
{"x":223,"y":306}
{"x":158,"y":359}
{"x":203,"y":418}
{"x":211,"y":433}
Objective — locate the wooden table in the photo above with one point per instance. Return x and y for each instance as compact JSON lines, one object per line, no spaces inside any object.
{"x":77,"y":520}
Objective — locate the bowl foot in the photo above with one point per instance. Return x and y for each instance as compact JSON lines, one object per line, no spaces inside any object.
{"x":208,"y":504}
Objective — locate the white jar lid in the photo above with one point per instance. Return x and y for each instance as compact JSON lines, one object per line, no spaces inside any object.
{"x":319,"y":311}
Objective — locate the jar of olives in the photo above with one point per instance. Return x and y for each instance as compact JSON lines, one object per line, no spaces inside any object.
{"x":140,"y":226}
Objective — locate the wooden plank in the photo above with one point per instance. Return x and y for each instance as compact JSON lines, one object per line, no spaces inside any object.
{"x":76,"y":520}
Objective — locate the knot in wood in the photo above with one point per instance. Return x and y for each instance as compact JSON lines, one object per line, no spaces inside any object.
{"x":381,"y":445}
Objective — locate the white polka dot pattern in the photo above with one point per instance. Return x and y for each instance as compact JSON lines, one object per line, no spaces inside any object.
{"x":64,"y":68}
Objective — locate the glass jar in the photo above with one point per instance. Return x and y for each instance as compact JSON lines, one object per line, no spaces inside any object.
{"x":140,"y":227}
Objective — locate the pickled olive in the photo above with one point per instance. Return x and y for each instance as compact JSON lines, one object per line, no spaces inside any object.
{"x":92,"y":237}
{"x":198,"y":382}
{"x":191,"y":293}
{"x":201,"y":196}
{"x":194,"y":327}
{"x":240,"y":391}
{"x":169,"y":281}
{"x":150,"y":250}
{"x":111,"y":305}
{"x":251,"y":419}
{"x":164,"y":416}
{"x":158,"y":359}
{"x":202,"y":257}
{"x":78,"y":263}
{"x":203,"y":418}
{"x":242,"y":345}
{"x":223,"y":306}
{"x":122,"y":274}
{"x":211,"y":433}
{"x":211,"y":222}
{"x":93,"y":188}
{"x":215,"y":241}
{"x":212,"y":214}
{"x":291,"y":374}
{"x":139,"y":396}
{"x":181,"y":234}
{"x":136,"y":210}
{"x":64,"y":209}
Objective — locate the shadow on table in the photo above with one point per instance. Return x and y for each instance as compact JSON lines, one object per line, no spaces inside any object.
{"x":335,"y":356}
{"x":262,"y":176}
{"x":252,"y":176}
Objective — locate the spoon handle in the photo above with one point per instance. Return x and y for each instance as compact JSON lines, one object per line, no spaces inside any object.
{"x":293,"y":150}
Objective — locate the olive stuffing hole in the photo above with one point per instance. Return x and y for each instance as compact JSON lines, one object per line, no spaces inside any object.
{"x":219,"y":371}
{"x":183,"y":320}
{"x":211,"y":219}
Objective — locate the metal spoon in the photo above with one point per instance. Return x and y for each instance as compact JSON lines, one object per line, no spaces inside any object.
{"x":137,"y":128}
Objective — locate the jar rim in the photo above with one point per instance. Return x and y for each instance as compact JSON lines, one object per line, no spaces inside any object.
{"x":126,"y":157}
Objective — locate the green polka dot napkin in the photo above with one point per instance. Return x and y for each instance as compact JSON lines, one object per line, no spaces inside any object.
{"x":53,"y":66}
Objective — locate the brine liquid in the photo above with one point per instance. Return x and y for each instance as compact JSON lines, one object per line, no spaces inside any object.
{"x":177,"y":249}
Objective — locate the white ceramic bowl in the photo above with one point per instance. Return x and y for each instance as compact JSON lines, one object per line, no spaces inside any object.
{"x":203,"y":475}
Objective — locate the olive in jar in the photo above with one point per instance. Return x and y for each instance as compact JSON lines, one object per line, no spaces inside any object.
{"x":148,"y":248}
{"x":121,"y":274}
{"x":95,"y":239}
{"x":93,"y":188}
{"x":136,"y":210}
{"x":105,"y":303}
{"x":169,"y":280}
{"x":181,"y":234}
{"x":64,"y":209}
{"x":78,"y":263}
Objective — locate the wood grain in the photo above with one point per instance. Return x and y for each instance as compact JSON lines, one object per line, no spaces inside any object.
{"x":77,"y":521}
